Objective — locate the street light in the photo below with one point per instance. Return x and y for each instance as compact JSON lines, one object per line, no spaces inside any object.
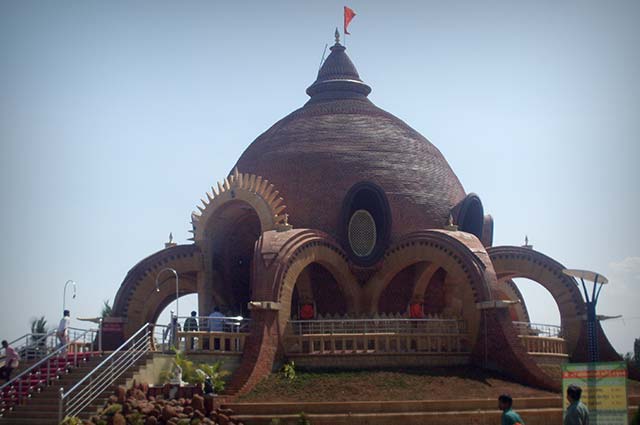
{"x":177,"y":292}
{"x":64,"y":293}
{"x":591,"y":301}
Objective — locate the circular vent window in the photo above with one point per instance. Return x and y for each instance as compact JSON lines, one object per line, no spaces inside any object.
{"x":362,"y":233}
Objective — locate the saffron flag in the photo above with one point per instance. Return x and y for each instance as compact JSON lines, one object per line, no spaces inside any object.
{"x":349,"y":14}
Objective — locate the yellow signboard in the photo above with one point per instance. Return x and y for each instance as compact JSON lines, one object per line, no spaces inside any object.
{"x":604,"y":390}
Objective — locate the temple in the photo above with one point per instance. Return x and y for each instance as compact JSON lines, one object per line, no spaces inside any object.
{"x":348,"y":241}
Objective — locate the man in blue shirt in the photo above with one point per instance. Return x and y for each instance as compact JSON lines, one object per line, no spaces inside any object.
{"x":577,"y":413}
{"x":509,"y":416}
{"x":216,"y":320}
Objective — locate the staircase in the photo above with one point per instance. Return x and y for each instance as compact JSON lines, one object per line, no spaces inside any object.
{"x":29,"y":398}
{"x":78,"y":386}
{"x":42,"y":407}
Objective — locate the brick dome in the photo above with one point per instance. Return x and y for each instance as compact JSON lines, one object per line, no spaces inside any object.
{"x":339,"y":138}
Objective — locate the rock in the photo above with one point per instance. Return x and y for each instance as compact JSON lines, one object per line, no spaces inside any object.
{"x":118,"y":419}
{"x":121,"y":394}
{"x":197,"y":403}
{"x":169,"y":412}
{"x":151,"y":420}
{"x":207,"y":421}
{"x":139,"y":395}
{"x":188,"y":410}
{"x":223,"y":419}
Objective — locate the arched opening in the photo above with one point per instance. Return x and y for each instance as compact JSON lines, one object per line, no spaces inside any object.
{"x":237,"y":228}
{"x":541,"y":306}
{"x":471,"y":216}
{"x":188,"y":303}
{"x":397,"y":295}
{"x":436,"y":292}
{"x":317,"y":291}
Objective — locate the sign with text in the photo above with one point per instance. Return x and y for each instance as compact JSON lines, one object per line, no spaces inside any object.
{"x":604,"y":390}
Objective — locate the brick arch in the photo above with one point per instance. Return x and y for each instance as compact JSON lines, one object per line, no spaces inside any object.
{"x":435,"y":248}
{"x":137,"y":298}
{"x":512,"y":262}
{"x":250,"y":189}
{"x":327,"y":253}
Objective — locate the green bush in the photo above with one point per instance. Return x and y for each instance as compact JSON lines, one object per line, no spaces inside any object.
{"x":71,"y":421}
{"x":289,"y":370}
{"x":636,"y":417}
{"x":112,"y":410}
{"x":196,"y":374}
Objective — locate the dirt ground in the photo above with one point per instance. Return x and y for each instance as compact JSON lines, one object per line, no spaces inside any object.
{"x":433,"y":384}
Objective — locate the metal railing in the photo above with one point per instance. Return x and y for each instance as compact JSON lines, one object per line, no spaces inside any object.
{"x":216,"y":324}
{"x":377,"y":325}
{"x":17,"y":381}
{"x":160,"y":338}
{"x":539,"y":329}
{"x":32,"y":346}
{"x":187,"y":333}
{"x":77,"y":398}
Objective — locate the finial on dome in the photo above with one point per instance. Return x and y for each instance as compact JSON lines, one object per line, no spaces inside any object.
{"x":337,"y":77}
{"x":171,"y":243}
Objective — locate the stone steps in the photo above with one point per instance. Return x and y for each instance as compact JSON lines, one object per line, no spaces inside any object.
{"x":42,"y":408}
{"x":534,"y":411}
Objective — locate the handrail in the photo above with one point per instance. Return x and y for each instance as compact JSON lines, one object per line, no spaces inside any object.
{"x":32,"y":340}
{"x":543,"y":329}
{"x":45,"y":359}
{"x":80,"y":395}
{"x":235,"y":323}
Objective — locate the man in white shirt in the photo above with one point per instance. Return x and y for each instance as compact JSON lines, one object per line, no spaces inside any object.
{"x":63,"y":329}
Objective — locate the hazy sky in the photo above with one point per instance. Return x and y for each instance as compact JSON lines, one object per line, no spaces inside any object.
{"x":116,"y":117}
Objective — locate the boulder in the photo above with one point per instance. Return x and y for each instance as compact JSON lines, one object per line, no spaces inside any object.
{"x":151,"y":420}
{"x":197,"y":403}
{"x":118,"y":419}
{"x":169,"y":412}
{"x":121,"y":394}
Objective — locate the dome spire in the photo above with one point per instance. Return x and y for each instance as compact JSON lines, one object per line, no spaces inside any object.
{"x":338,"y":77}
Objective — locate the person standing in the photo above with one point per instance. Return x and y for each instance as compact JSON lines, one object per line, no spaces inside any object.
{"x":191,"y":325}
{"x":509,"y":416}
{"x":216,"y":324}
{"x":577,"y":413}
{"x":63,"y":329}
{"x":11,"y":361}
{"x":216,"y":320}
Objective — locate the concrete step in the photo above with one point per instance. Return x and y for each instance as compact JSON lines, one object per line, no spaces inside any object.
{"x":480,"y":417}
{"x":404,"y":406}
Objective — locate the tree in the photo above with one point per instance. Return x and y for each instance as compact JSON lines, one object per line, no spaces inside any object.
{"x":39,"y":326}
{"x":107,"y":310}
{"x":636,"y":352}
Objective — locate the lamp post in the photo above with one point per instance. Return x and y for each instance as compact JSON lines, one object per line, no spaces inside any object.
{"x":591,"y":301}
{"x":177,"y":291}
{"x":64,"y":293}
